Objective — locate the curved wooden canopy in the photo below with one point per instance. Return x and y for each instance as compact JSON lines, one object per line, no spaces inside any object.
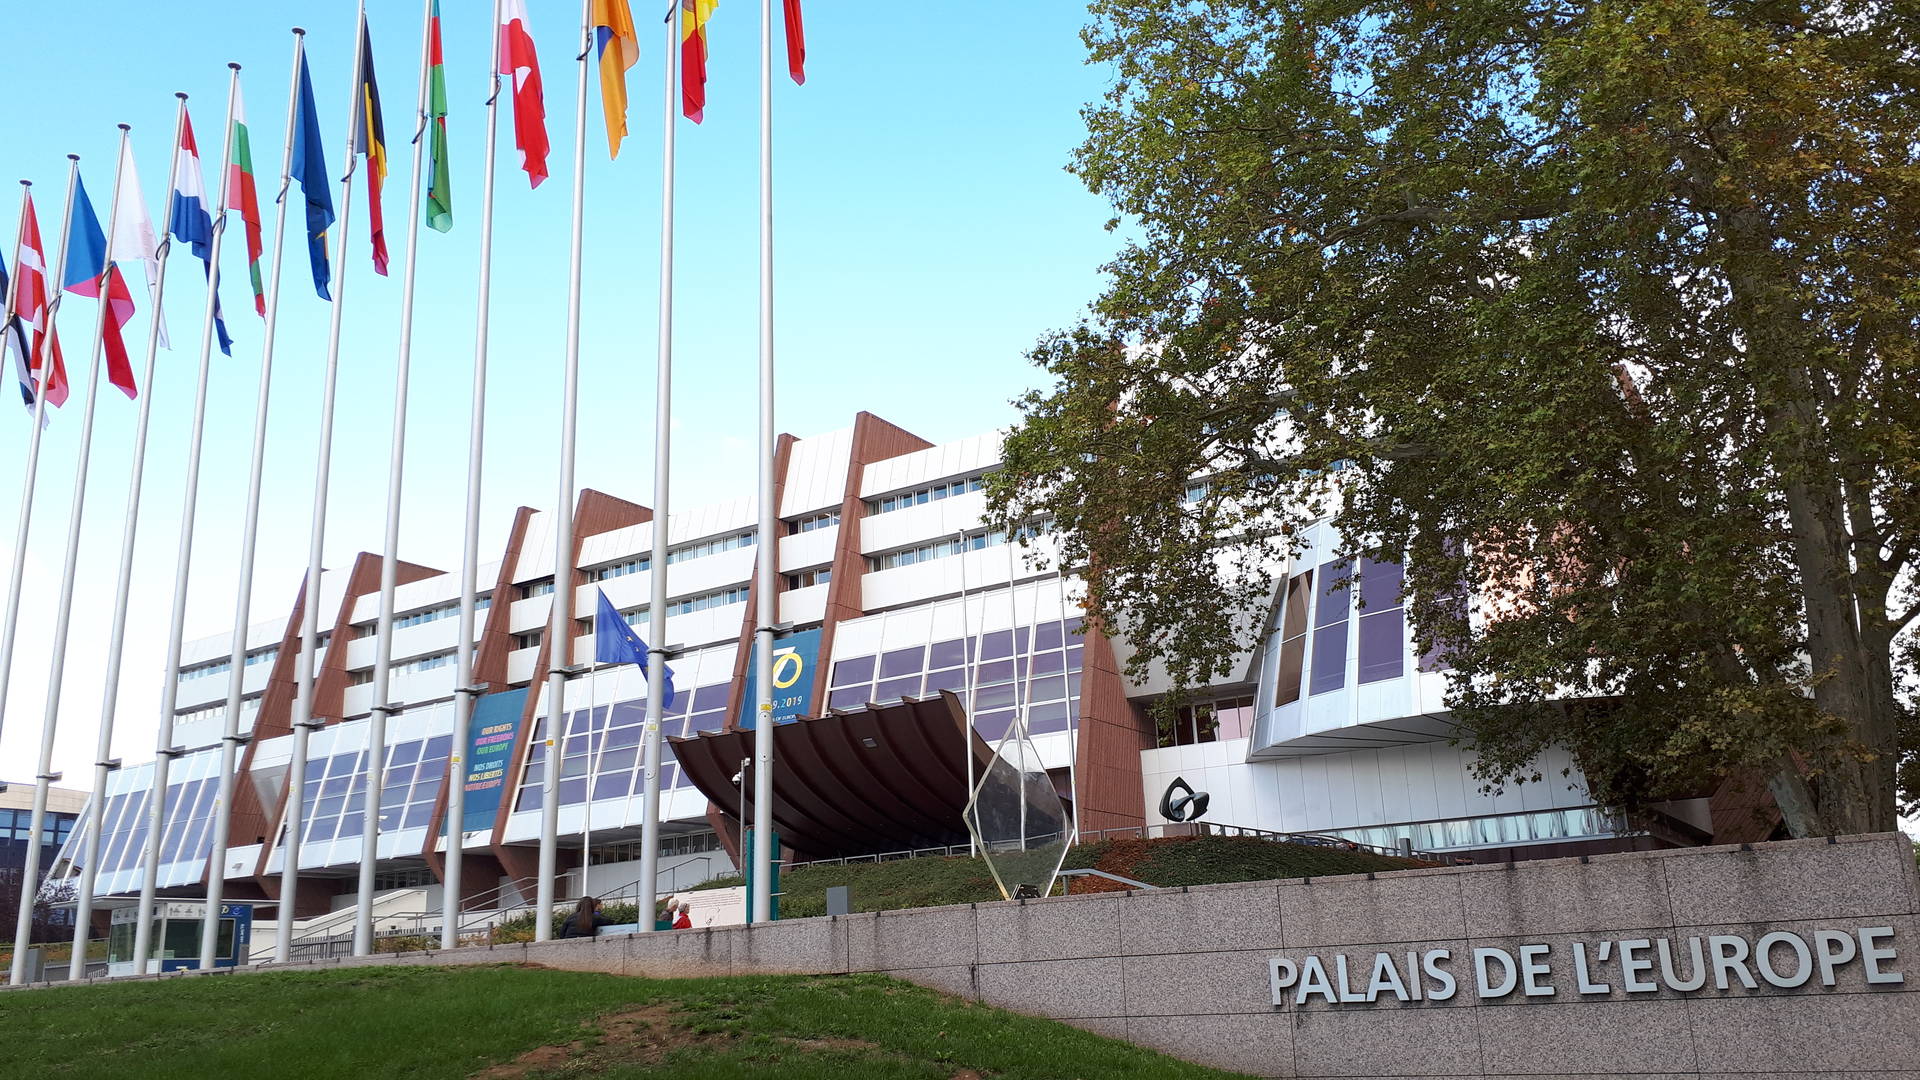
{"x":882,"y":778}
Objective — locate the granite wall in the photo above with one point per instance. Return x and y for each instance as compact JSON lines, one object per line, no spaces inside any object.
{"x":1197,"y":972}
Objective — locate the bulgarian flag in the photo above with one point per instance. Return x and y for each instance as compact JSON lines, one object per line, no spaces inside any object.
{"x":439,"y":178}
{"x":241,"y":197}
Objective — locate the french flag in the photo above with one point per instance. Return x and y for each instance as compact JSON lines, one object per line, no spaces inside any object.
{"x":188,"y":220}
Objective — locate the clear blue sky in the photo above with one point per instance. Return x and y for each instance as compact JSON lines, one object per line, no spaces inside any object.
{"x":927,"y":235}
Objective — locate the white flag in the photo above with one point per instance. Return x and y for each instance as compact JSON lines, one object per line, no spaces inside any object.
{"x":133,"y":237}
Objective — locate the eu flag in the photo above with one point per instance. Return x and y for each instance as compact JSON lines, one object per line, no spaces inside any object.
{"x":615,"y":642}
{"x":310,"y":168}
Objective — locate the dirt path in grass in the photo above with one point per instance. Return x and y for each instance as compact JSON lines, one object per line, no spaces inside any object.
{"x":646,"y":1036}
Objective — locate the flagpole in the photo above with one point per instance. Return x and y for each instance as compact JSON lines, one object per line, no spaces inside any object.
{"x":662,"y":451}
{"x":764,"y":855}
{"x":248,"y":535}
{"x":464,"y":690}
{"x":310,"y":621}
{"x":560,"y":637}
{"x":323,"y":463}
{"x":230,"y":734}
{"x":116,"y":642}
{"x":383,"y":705}
{"x":25,"y":520}
{"x":63,"y":619}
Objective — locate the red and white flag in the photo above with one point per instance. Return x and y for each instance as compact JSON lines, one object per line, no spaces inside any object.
{"x":30,"y":305}
{"x":519,"y":62}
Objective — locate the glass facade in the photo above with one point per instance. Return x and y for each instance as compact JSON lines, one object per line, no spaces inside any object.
{"x":1503,"y":830}
{"x":334,"y":796}
{"x":1037,"y":666}
{"x":607,"y":742}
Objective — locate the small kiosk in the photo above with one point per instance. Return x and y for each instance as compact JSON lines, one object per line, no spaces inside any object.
{"x":176,"y":936}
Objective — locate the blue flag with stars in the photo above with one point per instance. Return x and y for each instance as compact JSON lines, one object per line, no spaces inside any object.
{"x":615,"y":642}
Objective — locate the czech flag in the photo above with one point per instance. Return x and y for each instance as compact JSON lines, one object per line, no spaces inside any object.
{"x":87,"y":268}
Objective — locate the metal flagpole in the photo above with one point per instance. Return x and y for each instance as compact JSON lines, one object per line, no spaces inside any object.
{"x":1072,"y":699}
{"x":464,"y":690}
{"x":25,"y":521}
{"x":303,"y":721}
{"x":230,"y":730}
{"x":243,"y":597}
{"x":968,"y":659}
{"x":764,"y":855}
{"x":594,"y":750}
{"x":383,"y":705}
{"x":102,"y":763}
{"x":560,"y":637}
{"x":662,"y":449}
{"x":63,"y":619}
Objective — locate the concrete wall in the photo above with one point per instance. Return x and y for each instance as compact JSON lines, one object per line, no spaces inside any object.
{"x":1188,"y":971}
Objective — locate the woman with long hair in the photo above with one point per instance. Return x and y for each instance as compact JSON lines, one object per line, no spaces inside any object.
{"x":586,"y":919}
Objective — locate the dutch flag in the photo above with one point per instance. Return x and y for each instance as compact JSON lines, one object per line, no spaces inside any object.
{"x":189,"y":222}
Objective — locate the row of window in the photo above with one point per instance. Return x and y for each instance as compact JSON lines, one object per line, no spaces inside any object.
{"x":889,"y":503}
{"x":1543,"y":825}
{"x":819,"y":575}
{"x":1030,"y":670}
{"x":18,"y":825}
{"x":335,"y":791}
{"x":694,"y":843}
{"x":224,"y":665}
{"x":939,"y":549}
{"x":826,"y":519}
{"x":1381,"y":628}
{"x":208,"y":712}
{"x":710,"y":547}
{"x":607,"y":742}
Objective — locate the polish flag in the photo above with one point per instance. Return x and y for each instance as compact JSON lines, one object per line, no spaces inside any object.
{"x":518,"y":60}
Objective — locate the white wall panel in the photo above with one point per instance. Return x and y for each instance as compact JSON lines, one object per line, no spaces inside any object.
{"x":811,"y":548}
{"x":923,"y":467}
{"x":816,"y":473}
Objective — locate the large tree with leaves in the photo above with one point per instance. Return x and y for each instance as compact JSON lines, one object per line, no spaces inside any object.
{"x":1609,"y":309}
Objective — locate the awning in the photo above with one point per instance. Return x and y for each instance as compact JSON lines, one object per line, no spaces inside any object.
{"x":887,"y":777}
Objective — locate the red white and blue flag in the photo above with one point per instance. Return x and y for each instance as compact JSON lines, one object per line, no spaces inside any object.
{"x":189,"y":221}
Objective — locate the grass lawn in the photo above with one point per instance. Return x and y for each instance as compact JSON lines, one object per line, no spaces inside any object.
{"x":1168,"y":862}
{"x":511,"y":1022}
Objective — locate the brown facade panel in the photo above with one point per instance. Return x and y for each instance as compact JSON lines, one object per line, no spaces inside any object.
{"x":1112,"y":734}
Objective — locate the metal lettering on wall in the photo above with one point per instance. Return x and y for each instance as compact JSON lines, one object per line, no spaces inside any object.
{"x":1783,"y":960}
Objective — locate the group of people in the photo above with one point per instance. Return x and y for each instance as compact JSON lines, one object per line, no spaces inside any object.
{"x":586,"y":919}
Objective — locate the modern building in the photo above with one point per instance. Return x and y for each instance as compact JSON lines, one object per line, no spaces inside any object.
{"x":903,"y":615}
{"x":16,"y":835}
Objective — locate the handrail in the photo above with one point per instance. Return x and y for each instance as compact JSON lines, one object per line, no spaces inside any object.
{"x":1134,"y":883}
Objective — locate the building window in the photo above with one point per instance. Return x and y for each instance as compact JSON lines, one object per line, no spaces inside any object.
{"x":425,"y":663}
{"x":1293,"y":638}
{"x":939,"y":550}
{"x":710,"y":547}
{"x":620,"y":569}
{"x":826,"y":519}
{"x":530,"y":590}
{"x":360,"y":677}
{"x":1383,"y":622}
{"x":529,"y":640}
{"x":997,"y":675}
{"x":1330,"y":631}
{"x":1196,"y":491}
{"x":888,"y":503}
{"x":1211,"y":721}
{"x":819,"y":575}
{"x":721,"y":598}
{"x":444,"y":611}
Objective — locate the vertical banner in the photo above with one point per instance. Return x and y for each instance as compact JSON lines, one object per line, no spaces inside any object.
{"x":492,"y":730}
{"x":795,"y":655}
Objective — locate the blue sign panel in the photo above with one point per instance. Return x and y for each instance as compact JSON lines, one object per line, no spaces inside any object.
{"x":795,"y":655}
{"x":494,"y":726}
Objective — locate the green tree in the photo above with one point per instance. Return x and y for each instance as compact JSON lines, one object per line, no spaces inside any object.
{"x":1605,"y":309}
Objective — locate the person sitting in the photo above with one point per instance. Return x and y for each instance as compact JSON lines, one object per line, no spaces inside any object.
{"x":684,"y":921}
{"x":586,"y":919}
{"x":663,"y":918}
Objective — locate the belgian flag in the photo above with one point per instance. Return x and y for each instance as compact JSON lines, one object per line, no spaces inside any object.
{"x":370,"y":138}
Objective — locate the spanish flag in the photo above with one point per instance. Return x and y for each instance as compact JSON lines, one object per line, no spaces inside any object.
{"x":619,"y":49}
{"x":693,"y":56}
{"x":370,"y":138}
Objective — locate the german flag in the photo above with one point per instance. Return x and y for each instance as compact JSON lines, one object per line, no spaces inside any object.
{"x":370,"y":138}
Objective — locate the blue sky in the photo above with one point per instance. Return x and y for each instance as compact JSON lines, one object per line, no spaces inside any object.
{"x":927,"y":234}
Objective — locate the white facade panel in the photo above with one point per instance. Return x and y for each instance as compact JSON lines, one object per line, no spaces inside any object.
{"x":808,"y":549}
{"x":520,"y":664}
{"x":817,"y":473}
{"x":802,"y":606}
{"x":529,"y":614}
{"x":939,"y":519}
{"x":967,"y":456}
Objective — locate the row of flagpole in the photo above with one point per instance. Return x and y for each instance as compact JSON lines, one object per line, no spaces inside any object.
{"x":43,"y":381}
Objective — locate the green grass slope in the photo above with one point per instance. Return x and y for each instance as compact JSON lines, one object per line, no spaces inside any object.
{"x":517,"y":1022}
{"x":1169,"y":862}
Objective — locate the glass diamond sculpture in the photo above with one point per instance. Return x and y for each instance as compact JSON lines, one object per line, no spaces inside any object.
{"x":1018,"y":820}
